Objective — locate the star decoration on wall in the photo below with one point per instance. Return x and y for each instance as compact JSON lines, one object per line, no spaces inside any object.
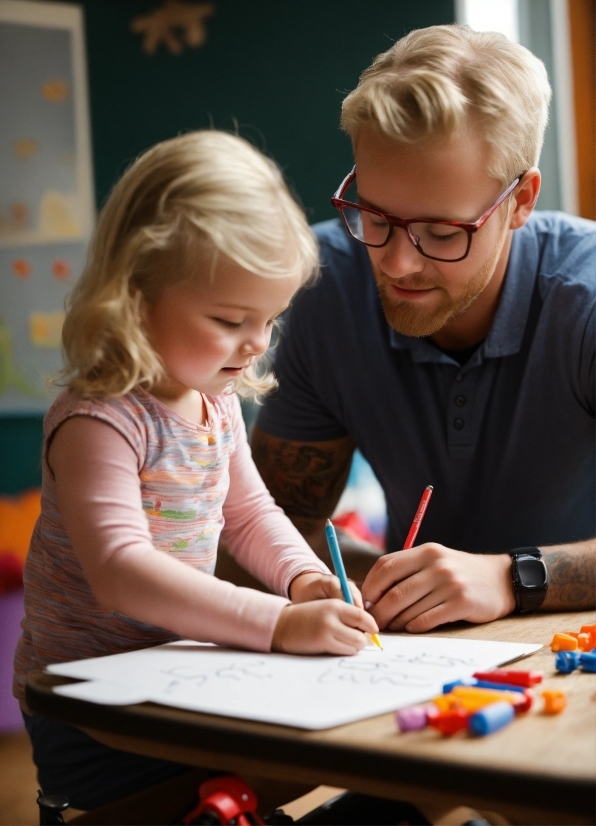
{"x":175,"y":24}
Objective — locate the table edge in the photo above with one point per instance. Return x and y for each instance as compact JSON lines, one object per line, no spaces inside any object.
{"x":530,"y":789}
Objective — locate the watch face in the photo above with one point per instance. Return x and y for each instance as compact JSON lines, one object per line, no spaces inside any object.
{"x":532,"y":572}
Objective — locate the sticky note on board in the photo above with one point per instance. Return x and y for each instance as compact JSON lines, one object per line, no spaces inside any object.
{"x":57,"y":215}
{"x":55,"y":91}
{"x":21,"y":267}
{"x":25,"y":148}
{"x":45,"y":329}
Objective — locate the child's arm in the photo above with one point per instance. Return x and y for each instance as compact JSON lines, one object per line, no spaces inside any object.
{"x":97,"y":482}
{"x":258,"y":533}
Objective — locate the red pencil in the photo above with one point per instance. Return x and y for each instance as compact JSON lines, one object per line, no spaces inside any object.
{"x":417,"y":521}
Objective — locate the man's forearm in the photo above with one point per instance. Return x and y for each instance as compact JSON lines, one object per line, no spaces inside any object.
{"x":571,"y":576}
{"x":306,"y":479}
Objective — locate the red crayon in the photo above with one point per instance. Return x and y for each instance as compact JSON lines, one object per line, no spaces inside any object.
{"x":525,"y":678}
{"x":417,"y":521}
{"x":450,"y":722}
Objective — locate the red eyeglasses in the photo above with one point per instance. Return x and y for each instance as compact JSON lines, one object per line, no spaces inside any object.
{"x":439,"y":240}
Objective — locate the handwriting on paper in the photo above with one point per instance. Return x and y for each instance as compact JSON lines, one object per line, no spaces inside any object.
{"x":371,"y":668}
{"x":307,"y":692}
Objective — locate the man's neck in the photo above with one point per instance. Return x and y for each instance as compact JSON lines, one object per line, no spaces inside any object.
{"x":474,"y":324}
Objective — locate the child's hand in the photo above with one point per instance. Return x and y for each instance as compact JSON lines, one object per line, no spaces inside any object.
{"x":328,"y":626}
{"x":312,"y":585}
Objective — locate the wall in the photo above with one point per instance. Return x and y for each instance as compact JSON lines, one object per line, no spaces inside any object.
{"x":582,"y":24}
{"x":535,"y":34}
{"x":276,"y":70}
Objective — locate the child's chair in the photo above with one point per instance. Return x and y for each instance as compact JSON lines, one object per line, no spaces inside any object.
{"x":227,"y":799}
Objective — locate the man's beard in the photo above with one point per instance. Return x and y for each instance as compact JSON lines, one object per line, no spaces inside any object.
{"x":408,"y":318}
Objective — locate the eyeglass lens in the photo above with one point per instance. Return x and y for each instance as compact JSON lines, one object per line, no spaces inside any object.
{"x":441,"y":241}
{"x":437,"y":240}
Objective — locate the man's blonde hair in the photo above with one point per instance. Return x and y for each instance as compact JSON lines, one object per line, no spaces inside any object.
{"x":438,"y":81}
{"x":178,"y":207}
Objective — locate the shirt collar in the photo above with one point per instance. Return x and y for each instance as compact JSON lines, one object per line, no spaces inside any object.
{"x":506,"y":334}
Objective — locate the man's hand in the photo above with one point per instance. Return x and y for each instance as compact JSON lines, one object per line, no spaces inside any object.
{"x":311,"y":585}
{"x":328,"y":626}
{"x":418,"y":589}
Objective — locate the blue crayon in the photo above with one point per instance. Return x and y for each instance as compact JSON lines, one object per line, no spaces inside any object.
{"x":491,"y":718}
{"x":448,"y":687}
{"x":340,"y":572}
{"x":567,"y":661}
{"x":587,"y":661}
{"x":338,"y":562}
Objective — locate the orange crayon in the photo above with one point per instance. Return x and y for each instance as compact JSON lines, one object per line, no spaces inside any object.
{"x":563,"y":642}
{"x":554,"y":701}
{"x":473,"y":698}
{"x":584,"y":641}
{"x":591,"y":631}
{"x":447,"y":702}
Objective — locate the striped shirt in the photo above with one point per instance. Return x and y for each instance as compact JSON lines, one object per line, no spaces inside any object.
{"x":193,"y":480}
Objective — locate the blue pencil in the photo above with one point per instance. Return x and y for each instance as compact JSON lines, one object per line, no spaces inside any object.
{"x":340,"y":571}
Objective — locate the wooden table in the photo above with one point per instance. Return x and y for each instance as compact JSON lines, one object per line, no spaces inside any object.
{"x":540,"y":769}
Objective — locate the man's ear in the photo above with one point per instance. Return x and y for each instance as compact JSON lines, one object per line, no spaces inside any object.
{"x":524,"y":198}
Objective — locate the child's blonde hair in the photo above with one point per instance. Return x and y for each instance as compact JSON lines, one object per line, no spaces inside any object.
{"x":440,"y":80}
{"x":180,"y":205}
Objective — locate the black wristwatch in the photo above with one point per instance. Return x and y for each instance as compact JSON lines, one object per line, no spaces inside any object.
{"x":530,"y":579}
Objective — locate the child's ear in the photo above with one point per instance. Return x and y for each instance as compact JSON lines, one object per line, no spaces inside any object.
{"x":139,"y":301}
{"x":142,"y":308}
{"x":525,"y":198}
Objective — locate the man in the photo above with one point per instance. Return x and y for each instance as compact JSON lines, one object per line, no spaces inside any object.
{"x":451,"y":338}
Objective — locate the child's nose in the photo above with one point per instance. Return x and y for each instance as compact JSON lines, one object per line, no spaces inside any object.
{"x":257,"y":342}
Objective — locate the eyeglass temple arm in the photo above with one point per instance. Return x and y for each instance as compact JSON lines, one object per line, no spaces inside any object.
{"x":345,"y":183}
{"x":481,"y":221}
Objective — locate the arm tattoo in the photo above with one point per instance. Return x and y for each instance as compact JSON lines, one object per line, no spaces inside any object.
{"x":571,"y":579}
{"x":306,"y":479}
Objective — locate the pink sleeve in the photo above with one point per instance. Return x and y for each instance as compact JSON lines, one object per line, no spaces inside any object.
{"x":258,"y":533}
{"x":99,"y":497}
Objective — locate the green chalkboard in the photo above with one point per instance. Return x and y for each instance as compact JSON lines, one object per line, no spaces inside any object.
{"x":20,"y":453}
{"x":275,"y":71}
{"x":279,"y":70}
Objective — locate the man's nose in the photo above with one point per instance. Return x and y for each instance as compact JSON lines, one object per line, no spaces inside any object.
{"x":399,"y":255}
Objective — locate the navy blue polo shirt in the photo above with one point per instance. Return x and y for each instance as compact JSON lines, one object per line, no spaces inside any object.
{"x":507,"y":439}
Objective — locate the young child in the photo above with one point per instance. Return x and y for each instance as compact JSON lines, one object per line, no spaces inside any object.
{"x":145,"y":463}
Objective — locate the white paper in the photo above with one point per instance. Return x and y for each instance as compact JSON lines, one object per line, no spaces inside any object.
{"x":306,"y":692}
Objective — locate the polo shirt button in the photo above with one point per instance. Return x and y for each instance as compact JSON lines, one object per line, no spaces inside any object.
{"x":460,"y":401}
{"x":459,"y":377}
{"x":458,"y":424}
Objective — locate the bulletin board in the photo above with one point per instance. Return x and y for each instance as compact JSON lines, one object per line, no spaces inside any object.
{"x":46,"y":191}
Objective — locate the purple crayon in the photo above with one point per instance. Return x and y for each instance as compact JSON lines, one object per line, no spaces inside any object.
{"x":411,"y":718}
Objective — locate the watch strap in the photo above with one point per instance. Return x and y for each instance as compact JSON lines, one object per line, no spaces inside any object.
{"x":530,"y":551}
{"x":529,"y":601}
{"x":526,"y":599}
